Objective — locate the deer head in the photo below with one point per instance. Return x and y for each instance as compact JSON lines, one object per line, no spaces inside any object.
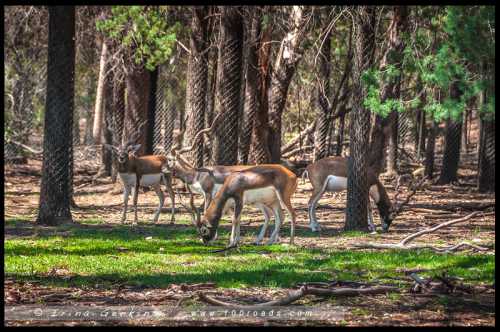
{"x":126,"y":149}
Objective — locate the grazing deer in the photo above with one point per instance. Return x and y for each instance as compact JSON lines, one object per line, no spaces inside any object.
{"x":266,"y":186}
{"x":145,"y":171}
{"x":330,"y":174}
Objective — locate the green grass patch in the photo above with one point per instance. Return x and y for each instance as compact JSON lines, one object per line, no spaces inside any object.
{"x":93,"y":254}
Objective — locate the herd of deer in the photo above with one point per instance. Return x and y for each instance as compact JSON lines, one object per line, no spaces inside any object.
{"x":268,"y":187}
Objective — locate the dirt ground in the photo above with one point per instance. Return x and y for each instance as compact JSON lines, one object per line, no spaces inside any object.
{"x":433,"y":205}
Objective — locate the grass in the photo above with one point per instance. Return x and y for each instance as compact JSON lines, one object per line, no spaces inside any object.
{"x":93,"y":253}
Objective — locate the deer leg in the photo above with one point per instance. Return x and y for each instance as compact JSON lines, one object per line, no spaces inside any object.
{"x":208,"y":200}
{"x":371,"y":225}
{"x":267,"y":215}
{"x":126,"y":193}
{"x":159,"y":192}
{"x":285,"y":200}
{"x":278,"y":214}
{"x":170,"y":191}
{"x":235,"y":231}
{"x":136,"y":195}
{"x":311,"y":207}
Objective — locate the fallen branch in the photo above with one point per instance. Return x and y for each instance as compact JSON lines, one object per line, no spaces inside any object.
{"x":403,"y":244}
{"x":298,"y":150}
{"x":225,"y":249}
{"x":302,"y":135}
{"x":25,"y":147}
{"x":295,"y":295}
{"x":452,"y":207}
{"x":412,"y":237}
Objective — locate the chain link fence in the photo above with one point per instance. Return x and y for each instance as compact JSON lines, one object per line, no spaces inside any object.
{"x":25,"y":106}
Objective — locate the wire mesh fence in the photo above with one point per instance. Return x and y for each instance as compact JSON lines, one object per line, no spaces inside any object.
{"x":25,"y":110}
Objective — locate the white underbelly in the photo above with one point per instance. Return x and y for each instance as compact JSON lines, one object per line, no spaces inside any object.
{"x":266,"y":195}
{"x":196,"y":187}
{"x":336,"y":183}
{"x":147,"y":180}
{"x":374,"y":193}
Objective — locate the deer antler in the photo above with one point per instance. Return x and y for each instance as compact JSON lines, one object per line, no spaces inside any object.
{"x":205,"y":131}
{"x":398,"y":206}
{"x":135,"y":134}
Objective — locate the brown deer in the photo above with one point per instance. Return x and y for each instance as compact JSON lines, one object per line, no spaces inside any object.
{"x":205,"y":181}
{"x":330,"y":174}
{"x":145,"y":171}
{"x":267,"y":186}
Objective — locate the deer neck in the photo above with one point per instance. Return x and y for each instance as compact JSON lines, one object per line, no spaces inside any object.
{"x":129,"y":166}
{"x":186,"y":174}
{"x":214,"y":210}
{"x":384,"y":203}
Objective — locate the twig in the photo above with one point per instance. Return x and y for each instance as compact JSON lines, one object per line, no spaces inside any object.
{"x":295,"y":295}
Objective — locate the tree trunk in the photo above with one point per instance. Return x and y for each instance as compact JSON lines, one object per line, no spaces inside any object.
{"x":421,"y":133}
{"x":150,"y":129}
{"x":393,"y":57}
{"x":323,"y":90}
{"x":251,"y":86}
{"x":137,"y":83}
{"x":209,"y":114}
{"x":259,"y":150}
{"x":357,"y":186}
{"x":197,"y":81}
{"x":429,"y":150}
{"x":392,"y":156}
{"x":284,"y":68}
{"x":465,"y":144}
{"x":229,"y":87}
{"x":452,"y":142}
{"x":99,"y":99}
{"x":107,"y":157}
{"x":486,"y":155}
{"x":56,"y":184}
{"x":89,"y":113}
{"x":118,"y":110}
{"x":340,"y":136}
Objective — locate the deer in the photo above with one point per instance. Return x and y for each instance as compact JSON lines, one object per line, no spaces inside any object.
{"x":205,"y":181}
{"x":330,"y":174}
{"x":268,"y":186}
{"x":144,"y":171}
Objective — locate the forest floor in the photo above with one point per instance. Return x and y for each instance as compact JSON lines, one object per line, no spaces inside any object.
{"x":98,"y":261}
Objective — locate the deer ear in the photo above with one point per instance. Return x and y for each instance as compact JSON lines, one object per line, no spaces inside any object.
{"x":110,"y":148}
{"x":134,"y":148}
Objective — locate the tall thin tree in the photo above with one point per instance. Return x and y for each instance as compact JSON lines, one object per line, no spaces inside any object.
{"x":229,"y":86}
{"x":357,"y":185}
{"x":55,"y":190}
{"x":197,"y":79}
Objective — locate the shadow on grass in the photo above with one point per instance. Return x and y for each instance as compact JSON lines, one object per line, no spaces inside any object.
{"x":273,"y":274}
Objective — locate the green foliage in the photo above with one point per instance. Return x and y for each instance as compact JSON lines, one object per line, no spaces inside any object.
{"x":448,"y":50}
{"x":143,"y":29}
{"x":373,"y":79}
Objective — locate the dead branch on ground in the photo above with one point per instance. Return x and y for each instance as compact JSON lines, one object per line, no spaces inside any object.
{"x":304,"y":290}
{"x":403,"y":244}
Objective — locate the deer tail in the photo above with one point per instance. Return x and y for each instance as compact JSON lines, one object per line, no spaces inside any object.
{"x":304,"y":175}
